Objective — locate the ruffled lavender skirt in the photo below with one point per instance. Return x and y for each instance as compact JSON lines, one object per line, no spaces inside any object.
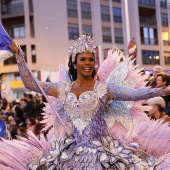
{"x":106,"y":154}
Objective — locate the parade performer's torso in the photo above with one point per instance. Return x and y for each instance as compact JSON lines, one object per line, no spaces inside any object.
{"x":85,"y":113}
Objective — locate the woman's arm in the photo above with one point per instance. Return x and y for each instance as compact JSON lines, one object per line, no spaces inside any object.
{"x":127,"y":94}
{"x":51,"y":89}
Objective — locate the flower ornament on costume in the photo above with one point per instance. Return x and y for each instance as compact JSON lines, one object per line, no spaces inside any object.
{"x":80,"y":45}
{"x":113,"y":152}
{"x":56,"y":153}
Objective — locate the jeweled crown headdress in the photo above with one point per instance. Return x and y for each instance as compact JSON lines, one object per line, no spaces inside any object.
{"x":80,"y":45}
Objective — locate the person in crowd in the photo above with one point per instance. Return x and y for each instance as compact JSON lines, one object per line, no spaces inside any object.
{"x":9,"y":111}
{"x":1,"y":114}
{"x":13,"y":127}
{"x":40,"y":104}
{"x":21,"y":131}
{"x":6,"y":119}
{"x":23,"y":103}
{"x":25,"y":96}
{"x":4,"y":105}
{"x":162,"y":81}
{"x":152,"y":81}
{"x":31,"y":124}
{"x":18,"y":113}
{"x":157,"y":109}
{"x":30,"y":108}
{"x":168,"y":75}
{"x":39,"y":126}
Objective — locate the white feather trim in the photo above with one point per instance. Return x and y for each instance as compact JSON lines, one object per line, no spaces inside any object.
{"x":5,"y":54}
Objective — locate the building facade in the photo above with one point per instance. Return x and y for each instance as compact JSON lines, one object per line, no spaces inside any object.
{"x":44,"y":30}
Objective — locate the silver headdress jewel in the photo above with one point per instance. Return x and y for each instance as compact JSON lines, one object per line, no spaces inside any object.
{"x":80,"y":45}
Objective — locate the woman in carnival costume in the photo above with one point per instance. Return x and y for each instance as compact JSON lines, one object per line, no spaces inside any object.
{"x":93,"y":122}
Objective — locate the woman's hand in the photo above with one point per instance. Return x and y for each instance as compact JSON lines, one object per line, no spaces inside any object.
{"x":14,"y":47}
{"x":166,"y":90}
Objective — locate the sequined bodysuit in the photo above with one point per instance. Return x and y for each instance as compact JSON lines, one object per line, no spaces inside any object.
{"x":91,"y":146}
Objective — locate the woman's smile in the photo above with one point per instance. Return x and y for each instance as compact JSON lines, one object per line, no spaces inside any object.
{"x":87,"y":69}
{"x":85,"y":64}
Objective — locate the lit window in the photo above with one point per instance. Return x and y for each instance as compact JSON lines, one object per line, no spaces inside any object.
{"x":150,"y":57}
{"x":165,"y":38}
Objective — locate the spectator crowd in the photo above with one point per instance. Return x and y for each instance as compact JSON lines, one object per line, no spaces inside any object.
{"x":159,"y":106}
{"x":23,"y":114}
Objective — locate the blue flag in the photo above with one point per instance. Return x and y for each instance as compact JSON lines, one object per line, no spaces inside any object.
{"x":5,"y":40}
{"x":2,"y":128}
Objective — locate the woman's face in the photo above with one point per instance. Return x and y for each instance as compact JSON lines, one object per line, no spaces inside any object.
{"x":160,"y":82}
{"x":19,"y":132}
{"x":152,"y":110}
{"x":155,"y":73}
{"x":29,"y":123}
{"x":85,"y":64}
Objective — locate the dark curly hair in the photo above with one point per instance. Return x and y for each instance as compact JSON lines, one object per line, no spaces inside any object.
{"x":73,"y":72}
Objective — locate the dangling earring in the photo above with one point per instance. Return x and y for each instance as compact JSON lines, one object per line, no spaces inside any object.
{"x":75,"y":67}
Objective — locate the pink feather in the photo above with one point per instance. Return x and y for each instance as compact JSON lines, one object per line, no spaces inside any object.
{"x":153,"y":137}
{"x":109,"y":64}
